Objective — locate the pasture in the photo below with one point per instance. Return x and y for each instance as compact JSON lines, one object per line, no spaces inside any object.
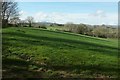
{"x":34,"y":52}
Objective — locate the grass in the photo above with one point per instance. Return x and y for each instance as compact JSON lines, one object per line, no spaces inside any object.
{"x":32,"y":52}
{"x":54,"y":28}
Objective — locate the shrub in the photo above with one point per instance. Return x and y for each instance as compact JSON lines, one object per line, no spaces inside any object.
{"x":43,"y":27}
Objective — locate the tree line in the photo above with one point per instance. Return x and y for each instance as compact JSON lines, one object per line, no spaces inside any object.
{"x":103,"y":31}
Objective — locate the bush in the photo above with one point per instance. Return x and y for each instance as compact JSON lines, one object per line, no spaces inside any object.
{"x":25,"y":26}
{"x":43,"y":27}
{"x":57,"y":30}
{"x":100,"y":32}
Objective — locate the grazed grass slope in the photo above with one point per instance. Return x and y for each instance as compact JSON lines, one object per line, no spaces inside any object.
{"x":31,"y":52}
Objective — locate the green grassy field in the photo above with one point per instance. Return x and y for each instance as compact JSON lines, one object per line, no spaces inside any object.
{"x":32,"y":52}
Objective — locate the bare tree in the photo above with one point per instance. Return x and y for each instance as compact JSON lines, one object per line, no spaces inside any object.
{"x":22,"y":23}
{"x":30,"y":20}
{"x":82,"y":29}
{"x":9,"y":10}
{"x":69,"y":26}
{"x":100,"y":31}
{"x":15,"y":21}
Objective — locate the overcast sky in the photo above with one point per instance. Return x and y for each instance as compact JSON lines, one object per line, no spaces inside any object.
{"x":76,"y":12}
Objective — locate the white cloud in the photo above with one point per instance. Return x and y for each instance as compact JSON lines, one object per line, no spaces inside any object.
{"x":98,"y":17}
{"x":59,"y":17}
{"x":23,"y":15}
{"x":99,"y":13}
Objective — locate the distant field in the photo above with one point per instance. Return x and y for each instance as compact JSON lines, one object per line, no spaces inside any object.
{"x":32,"y":52}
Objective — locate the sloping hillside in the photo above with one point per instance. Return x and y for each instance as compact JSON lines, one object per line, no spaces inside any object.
{"x":32,"y":52}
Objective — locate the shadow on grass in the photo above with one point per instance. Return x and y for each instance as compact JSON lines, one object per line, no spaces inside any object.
{"x":92,"y":68}
{"x":63,"y":43}
{"x":20,"y":68}
{"x":16,"y":68}
{"x":70,"y":33}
